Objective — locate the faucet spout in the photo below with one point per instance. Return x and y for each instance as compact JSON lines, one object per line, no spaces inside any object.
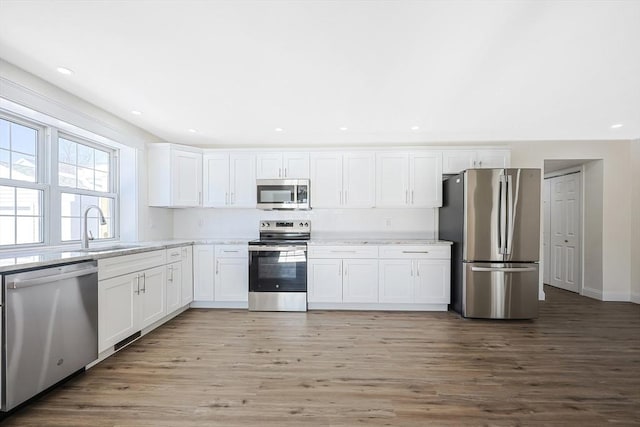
{"x":85,"y":235}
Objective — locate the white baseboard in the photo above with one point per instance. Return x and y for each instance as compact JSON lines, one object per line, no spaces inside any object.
{"x":376,"y":306}
{"x":592,"y":293}
{"x":616,"y":296}
{"x":635,"y":297}
{"x":219,"y":304}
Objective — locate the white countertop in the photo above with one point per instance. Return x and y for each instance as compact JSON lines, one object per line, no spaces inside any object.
{"x":377,"y":242}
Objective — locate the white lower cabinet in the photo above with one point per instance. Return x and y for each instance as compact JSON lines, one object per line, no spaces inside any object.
{"x":186,"y":293}
{"x":129,"y":303}
{"x":221,"y":275}
{"x":432,"y":281}
{"x":324,"y":280}
{"x":174,"y":286}
{"x":360,"y":280}
{"x":396,"y":281}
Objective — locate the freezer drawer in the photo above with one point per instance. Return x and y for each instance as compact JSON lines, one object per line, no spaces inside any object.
{"x":500,"y":290}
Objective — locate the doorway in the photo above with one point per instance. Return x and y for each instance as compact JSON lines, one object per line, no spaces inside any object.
{"x":563,"y":214}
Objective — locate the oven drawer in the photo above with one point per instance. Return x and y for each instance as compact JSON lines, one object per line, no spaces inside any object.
{"x":231,"y":251}
{"x":343,"y":251}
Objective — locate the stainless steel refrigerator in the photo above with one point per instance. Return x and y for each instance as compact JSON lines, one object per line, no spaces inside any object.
{"x":492,"y":216}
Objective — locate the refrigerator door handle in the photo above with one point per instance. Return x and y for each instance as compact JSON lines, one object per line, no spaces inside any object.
{"x":504,"y":269}
{"x":511,"y":214}
{"x":502,"y":216}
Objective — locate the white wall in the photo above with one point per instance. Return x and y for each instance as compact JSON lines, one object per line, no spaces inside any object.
{"x":616,"y":230}
{"x":27,"y":90}
{"x":593,"y":183}
{"x":369,"y":223}
{"x":635,"y":226}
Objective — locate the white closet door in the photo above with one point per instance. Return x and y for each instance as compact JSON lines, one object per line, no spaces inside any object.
{"x":546,"y":261}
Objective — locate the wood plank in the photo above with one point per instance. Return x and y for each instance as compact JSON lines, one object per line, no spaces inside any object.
{"x":578,"y":364}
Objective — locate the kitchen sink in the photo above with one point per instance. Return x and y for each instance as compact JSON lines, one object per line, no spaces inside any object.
{"x":108,"y":248}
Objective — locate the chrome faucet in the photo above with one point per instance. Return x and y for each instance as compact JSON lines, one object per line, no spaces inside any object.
{"x":85,"y":236}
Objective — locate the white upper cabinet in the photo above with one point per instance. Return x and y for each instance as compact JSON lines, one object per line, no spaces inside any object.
{"x":175,"y":175}
{"x":411,"y":179}
{"x":229,"y":179}
{"x":292,"y":165}
{"x":455,"y":161}
{"x":343,"y":180}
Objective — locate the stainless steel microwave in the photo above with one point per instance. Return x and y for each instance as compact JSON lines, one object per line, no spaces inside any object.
{"x":289,"y":194}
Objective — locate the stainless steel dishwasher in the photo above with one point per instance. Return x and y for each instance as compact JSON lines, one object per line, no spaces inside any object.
{"x":50,"y":319}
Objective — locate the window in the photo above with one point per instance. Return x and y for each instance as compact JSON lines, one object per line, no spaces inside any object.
{"x":21,"y":194}
{"x":48,"y":180}
{"x":84,"y":173}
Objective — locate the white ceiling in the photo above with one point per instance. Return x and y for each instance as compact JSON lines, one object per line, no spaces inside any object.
{"x":235,"y":70}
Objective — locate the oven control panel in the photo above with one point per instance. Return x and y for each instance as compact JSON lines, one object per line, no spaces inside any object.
{"x":287,"y":226}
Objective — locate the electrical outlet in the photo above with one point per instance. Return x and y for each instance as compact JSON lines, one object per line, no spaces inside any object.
{"x":387,"y":222}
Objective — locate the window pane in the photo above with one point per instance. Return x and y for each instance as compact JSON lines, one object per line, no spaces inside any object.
{"x":106,"y":204}
{"x":4,"y":134}
{"x":106,"y":231}
{"x":102,"y":160}
{"x":85,"y":156}
{"x":67,"y":151}
{"x":101,"y":181}
{"x":85,"y":178}
{"x":7,"y":230}
{"x":66,"y":175}
{"x":70,"y":204}
{"x":5,"y":171}
{"x":88,"y":201}
{"x":27,"y":202}
{"x":23,"y":167}
{"x":23,"y":139}
{"x":70,"y":229}
{"x":7,"y":201}
{"x":28,"y":230}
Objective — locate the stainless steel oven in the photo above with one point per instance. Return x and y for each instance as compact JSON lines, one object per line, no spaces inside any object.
{"x":278,"y":267}
{"x":286,"y":194}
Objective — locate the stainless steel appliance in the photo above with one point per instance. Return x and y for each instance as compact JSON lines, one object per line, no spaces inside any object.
{"x":278,"y":266}
{"x":286,"y":194}
{"x":492,"y":216}
{"x":50,"y":318}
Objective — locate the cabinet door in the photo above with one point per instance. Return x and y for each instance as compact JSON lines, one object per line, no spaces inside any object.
{"x":392,"y":180}
{"x":232,"y":279}
{"x":296,"y":165}
{"x":360,"y":280}
{"x":186,"y":178}
{"x":326,"y":180}
{"x":243,"y":180}
{"x":359,"y":180}
{"x":203,"y":272}
{"x":174,"y":286}
{"x":324,"y":280}
{"x":216,"y":179}
{"x":455,"y":161}
{"x":269,"y":166}
{"x":153,"y":305}
{"x":490,"y":159}
{"x":432,"y":281}
{"x":118,"y":314}
{"x":425,"y":170}
{"x":396,"y":280}
{"x":187,"y":275}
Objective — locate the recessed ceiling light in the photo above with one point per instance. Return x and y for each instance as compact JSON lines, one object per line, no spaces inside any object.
{"x":415,"y":127}
{"x":343,"y":128}
{"x":135,"y":112}
{"x":64,"y":71}
{"x":278,"y":129}
{"x":193,"y":131}
{"x":616,"y":126}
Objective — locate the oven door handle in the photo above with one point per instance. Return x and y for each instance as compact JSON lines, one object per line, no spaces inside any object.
{"x":271,"y":248}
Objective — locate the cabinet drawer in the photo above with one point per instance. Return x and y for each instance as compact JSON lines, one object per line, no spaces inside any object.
{"x":346,"y":251}
{"x":415,"y":251}
{"x":174,"y":254}
{"x":232,"y":251}
{"x":117,"y":266}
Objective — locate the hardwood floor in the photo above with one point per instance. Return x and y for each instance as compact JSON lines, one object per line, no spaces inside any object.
{"x":578,"y":364}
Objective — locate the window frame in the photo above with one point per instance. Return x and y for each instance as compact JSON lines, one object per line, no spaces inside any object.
{"x":47,"y":181}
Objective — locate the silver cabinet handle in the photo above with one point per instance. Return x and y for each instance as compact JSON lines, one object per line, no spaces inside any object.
{"x":412,"y":197}
{"x":411,"y":268}
{"x":174,"y":255}
{"x":137,"y":291}
{"x":170,"y":279}
{"x":417,"y":269}
{"x":217,"y":266}
{"x":199,"y":197}
{"x":504,"y":269}
{"x":279,"y":172}
{"x":285,"y":172}
{"x":340,"y":195}
{"x":230,"y":252}
{"x":144,"y":283}
{"x":406,"y":197}
{"x":415,"y":252}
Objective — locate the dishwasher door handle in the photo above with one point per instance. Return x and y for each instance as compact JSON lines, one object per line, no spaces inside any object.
{"x":18,"y":284}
